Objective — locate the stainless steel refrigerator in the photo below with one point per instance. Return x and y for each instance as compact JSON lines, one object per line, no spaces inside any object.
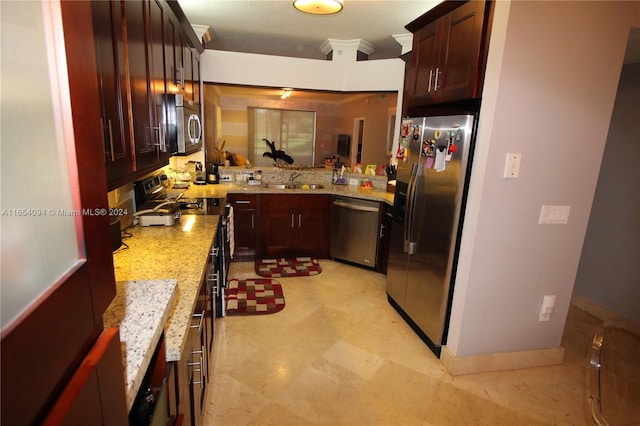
{"x":433,"y":165}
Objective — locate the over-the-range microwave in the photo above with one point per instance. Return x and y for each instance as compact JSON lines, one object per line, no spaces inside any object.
{"x":183,"y":124}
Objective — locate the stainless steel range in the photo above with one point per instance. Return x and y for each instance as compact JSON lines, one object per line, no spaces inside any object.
{"x":202,"y":206}
{"x":156,"y":204}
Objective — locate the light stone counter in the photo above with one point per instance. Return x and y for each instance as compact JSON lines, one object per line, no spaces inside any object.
{"x":222,"y":189}
{"x":140,"y":309}
{"x":170,"y":252}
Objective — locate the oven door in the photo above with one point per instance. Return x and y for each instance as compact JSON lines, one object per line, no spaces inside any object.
{"x":223,"y":259}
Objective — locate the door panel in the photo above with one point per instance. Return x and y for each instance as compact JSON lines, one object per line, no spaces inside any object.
{"x":313,"y":232}
{"x":278,"y":233}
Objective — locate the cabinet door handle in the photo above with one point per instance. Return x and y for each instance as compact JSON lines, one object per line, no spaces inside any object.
{"x":199,"y":326}
{"x":299,"y":220}
{"x":242,"y":202}
{"x":181,"y":77}
{"x":292,"y":225}
{"x":430,"y":77}
{"x":102,"y":131}
{"x":356,"y":207}
{"x":212,"y":277}
{"x":252,"y":222}
{"x":161,"y":138}
{"x":381,"y":230}
{"x":113,"y":156}
{"x":199,"y":364}
{"x":435,"y":86}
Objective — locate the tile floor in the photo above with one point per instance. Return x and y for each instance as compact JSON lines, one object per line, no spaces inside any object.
{"x":338,"y":354}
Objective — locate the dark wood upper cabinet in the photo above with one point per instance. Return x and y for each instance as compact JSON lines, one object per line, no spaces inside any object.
{"x":142,"y":85}
{"x":111,"y":63}
{"x":156,"y":59}
{"x":187,"y":55}
{"x":448,"y":55}
{"x":195,"y":61}
{"x":144,"y":51}
{"x":171,"y":60}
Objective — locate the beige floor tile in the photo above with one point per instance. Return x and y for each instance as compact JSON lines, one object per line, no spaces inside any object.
{"x":359,"y":361}
{"x":339,"y":354}
{"x":245,"y":403}
{"x":453,"y":406}
{"x":372,"y":410}
{"x":275,"y":414}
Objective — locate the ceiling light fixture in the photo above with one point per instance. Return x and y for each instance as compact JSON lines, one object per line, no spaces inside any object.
{"x":318,"y":7}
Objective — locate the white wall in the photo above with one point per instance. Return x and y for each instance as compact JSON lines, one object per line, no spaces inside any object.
{"x":609,"y":271}
{"x":277,"y":71}
{"x":551,"y":82}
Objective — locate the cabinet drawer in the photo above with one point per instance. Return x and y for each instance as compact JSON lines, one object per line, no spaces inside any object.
{"x":295,"y":201}
{"x":243,"y":201}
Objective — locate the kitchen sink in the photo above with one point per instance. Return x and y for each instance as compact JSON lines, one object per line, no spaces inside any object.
{"x":293,"y":186}
{"x":281,"y":185}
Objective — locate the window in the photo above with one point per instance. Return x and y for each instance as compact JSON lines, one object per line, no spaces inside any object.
{"x":292,"y":131}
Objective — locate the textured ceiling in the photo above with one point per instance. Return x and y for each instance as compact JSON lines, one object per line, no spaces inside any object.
{"x":274,"y":27}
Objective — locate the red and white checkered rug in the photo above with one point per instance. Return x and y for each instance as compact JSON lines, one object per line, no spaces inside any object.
{"x":288,"y":267}
{"x":253,"y":296}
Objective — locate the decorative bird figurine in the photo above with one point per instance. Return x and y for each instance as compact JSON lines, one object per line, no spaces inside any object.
{"x":277,"y":154}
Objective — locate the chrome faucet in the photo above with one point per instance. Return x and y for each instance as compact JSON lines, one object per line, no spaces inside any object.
{"x":294,"y":176}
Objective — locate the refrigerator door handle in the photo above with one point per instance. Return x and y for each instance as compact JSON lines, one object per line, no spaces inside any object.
{"x":408,"y":214}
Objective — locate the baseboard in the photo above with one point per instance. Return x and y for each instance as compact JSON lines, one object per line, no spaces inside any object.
{"x":599,"y":311}
{"x":458,"y":366}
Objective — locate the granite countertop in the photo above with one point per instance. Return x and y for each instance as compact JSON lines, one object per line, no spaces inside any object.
{"x":222,"y":189}
{"x":170,"y":252}
{"x":139,"y":310}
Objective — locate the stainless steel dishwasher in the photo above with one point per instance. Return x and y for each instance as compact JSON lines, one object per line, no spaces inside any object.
{"x":354,"y":230}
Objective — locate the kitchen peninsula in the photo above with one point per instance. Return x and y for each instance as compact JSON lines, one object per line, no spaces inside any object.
{"x":140,"y":310}
{"x":178,"y":254}
{"x":170,"y":252}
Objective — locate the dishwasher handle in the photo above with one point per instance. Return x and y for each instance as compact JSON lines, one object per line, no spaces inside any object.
{"x":355,"y":207}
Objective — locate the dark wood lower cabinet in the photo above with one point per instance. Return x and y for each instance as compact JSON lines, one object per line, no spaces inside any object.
{"x":294,"y":225}
{"x":245,"y":218}
{"x":86,"y":399}
{"x":192,"y":369}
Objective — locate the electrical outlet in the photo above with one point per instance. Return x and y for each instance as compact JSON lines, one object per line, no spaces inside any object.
{"x":512,"y":166}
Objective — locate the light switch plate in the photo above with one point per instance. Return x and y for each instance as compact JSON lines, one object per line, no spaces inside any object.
{"x":554,"y":215}
{"x":512,"y":166}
